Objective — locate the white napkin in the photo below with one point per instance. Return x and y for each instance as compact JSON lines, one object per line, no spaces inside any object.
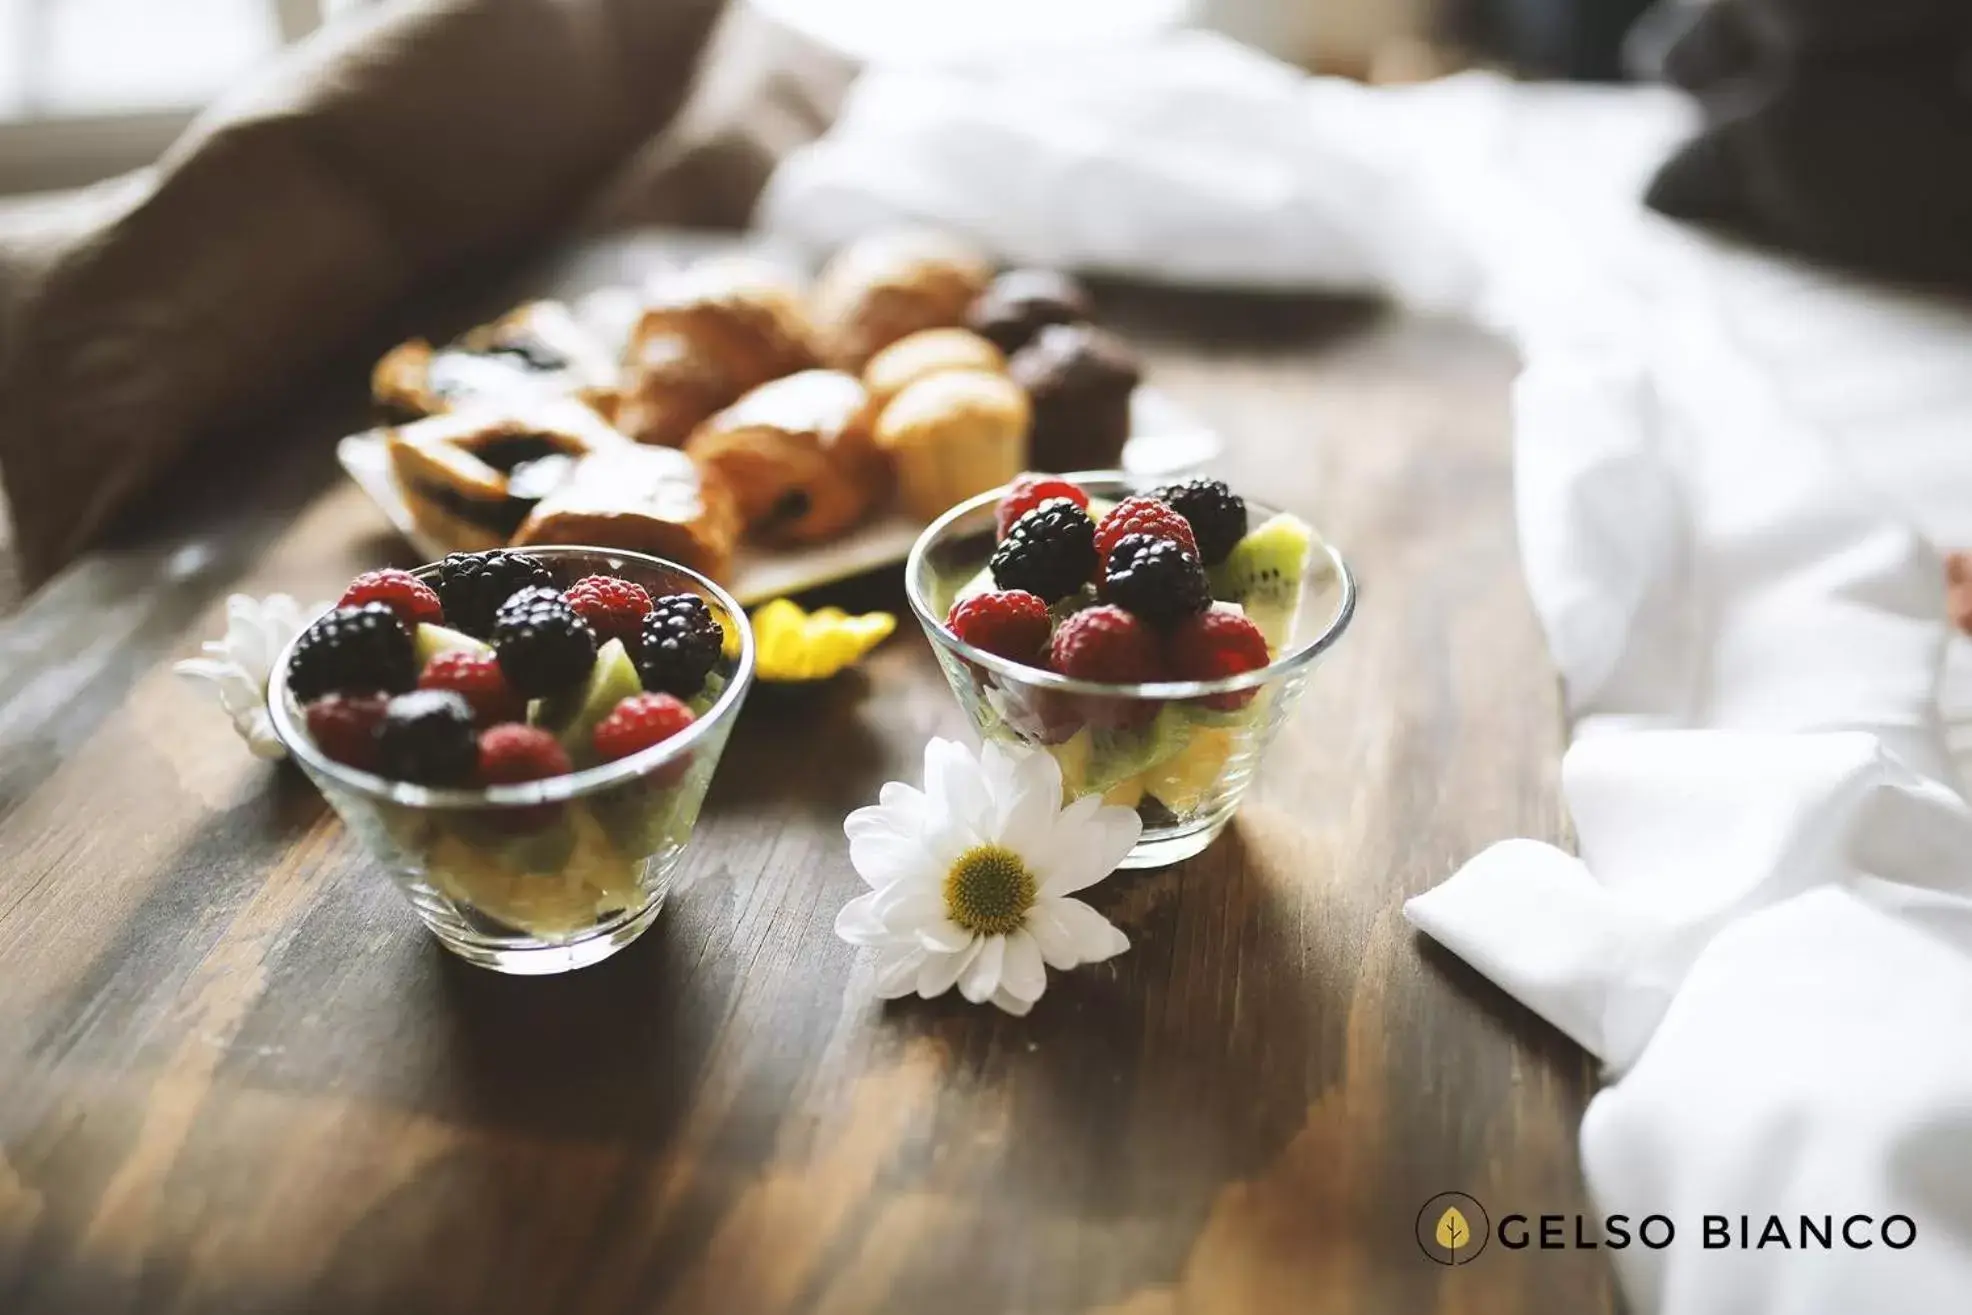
{"x":1730,"y":472}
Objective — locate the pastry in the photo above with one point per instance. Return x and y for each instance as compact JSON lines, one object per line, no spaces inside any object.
{"x":925,"y":353}
{"x":643,"y":499}
{"x":884,"y":287}
{"x":471,"y":477}
{"x":710,"y":334}
{"x":953,"y":434}
{"x":798,"y":455}
{"x":1022,"y":302}
{"x":533,"y":352}
{"x":1079,"y":379}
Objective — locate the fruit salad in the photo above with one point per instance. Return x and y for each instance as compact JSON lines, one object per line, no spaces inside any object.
{"x":484,"y":671}
{"x":1169,"y":585}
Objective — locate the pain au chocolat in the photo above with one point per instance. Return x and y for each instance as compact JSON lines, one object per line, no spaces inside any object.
{"x":799,"y":456}
{"x":653,"y":500}
{"x":471,"y":477}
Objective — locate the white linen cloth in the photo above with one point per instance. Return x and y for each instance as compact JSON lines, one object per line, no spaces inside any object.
{"x":1730,"y":472}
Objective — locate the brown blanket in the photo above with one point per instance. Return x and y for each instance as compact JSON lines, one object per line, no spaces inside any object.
{"x":142,"y":314}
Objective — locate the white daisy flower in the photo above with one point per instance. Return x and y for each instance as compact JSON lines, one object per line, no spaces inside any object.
{"x":972,"y":878}
{"x":237,"y":666}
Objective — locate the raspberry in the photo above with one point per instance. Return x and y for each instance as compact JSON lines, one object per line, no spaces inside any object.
{"x":344,"y":727}
{"x":1216,"y":644}
{"x":1029,"y":491}
{"x":427,"y":737}
{"x":681,"y":640}
{"x":1106,"y":644}
{"x":403,"y":593}
{"x":510,"y":753}
{"x":1141,"y":514}
{"x":352,"y":650}
{"x":1048,"y":551}
{"x":613,"y":608}
{"x":638,"y":722}
{"x":542,"y":645}
{"x":1216,"y":514}
{"x":1012,"y":624}
{"x":473,"y":585}
{"x":478,"y":677}
{"x":1156,"y":579}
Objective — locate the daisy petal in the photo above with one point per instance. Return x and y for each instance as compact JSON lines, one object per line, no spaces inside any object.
{"x":1091,"y":937}
{"x":858,"y":923}
{"x":905,"y":906}
{"x":1104,"y":842}
{"x":955,"y":783}
{"x":897,"y":971}
{"x":939,"y":971}
{"x":945,"y":936}
{"x":1023,"y":975}
{"x":1052,"y":935}
{"x":888,"y":860}
{"x":1012,"y":1003}
{"x":982,"y":976}
{"x":905,"y":804}
{"x":1027,"y":813}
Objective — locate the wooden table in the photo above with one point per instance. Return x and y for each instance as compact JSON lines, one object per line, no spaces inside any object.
{"x":235,"y":1075}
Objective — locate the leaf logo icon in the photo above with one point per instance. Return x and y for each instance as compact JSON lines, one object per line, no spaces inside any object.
{"x":1453,"y":1232}
{"x":1452,"y":1228}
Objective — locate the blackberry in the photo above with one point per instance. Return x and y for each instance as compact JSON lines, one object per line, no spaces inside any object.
{"x":1050,"y":551}
{"x":1156,"y":579}
{"x":428,"y":737}
{"x":1216,"y":513}
{"x":543,"y":647}
{"x":353,"y":650}
{"x":472,"y":585}
{"x":681,"y":641}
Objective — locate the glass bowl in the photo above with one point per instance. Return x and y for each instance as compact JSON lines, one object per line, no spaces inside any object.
{"x":546,"y":876}
{"x":1182,"y":753}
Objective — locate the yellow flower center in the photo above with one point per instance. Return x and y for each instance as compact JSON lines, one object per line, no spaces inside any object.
{"x":989,"y":890}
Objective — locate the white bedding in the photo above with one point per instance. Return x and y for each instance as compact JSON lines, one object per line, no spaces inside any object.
{"x":1731,"y":472}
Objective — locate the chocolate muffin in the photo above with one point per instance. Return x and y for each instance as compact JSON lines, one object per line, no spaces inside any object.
{"x":1021,"y":302}
{"x":1079,"y":380}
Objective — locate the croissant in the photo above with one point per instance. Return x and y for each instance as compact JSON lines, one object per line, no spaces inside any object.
{"x":890,"y":285}
{"x":709,"y":335}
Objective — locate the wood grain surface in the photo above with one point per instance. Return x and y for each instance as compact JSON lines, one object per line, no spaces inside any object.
{"x":235,"y":1074}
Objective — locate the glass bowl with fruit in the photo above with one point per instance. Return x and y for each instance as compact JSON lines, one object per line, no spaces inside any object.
{"x":523,"y":740}
{"x":1152,"y":639}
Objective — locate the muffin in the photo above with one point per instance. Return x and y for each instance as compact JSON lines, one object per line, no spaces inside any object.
{"x":1079,"y":380}
{"x":890,"y":285}
{"x":923,"y":354}
{"x":1021,"y":302}
{"x":953,"y":434}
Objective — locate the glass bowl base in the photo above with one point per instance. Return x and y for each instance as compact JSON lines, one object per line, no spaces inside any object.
{"x":544,"y":960}
{"x":1166,"y":848}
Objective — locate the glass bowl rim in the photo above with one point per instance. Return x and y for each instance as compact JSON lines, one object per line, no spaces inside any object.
{"x":553,"y":789}
{"x":1299,"y":656}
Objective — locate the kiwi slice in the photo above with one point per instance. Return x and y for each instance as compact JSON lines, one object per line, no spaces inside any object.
{"x":1095,"y":759}
{"x":432,"y":640}
{"x":573,"y":716}
{"x":1263,"y":575}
